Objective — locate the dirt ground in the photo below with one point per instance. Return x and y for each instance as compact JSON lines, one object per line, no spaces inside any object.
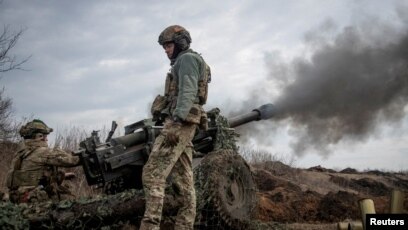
{"x":318,"y":198}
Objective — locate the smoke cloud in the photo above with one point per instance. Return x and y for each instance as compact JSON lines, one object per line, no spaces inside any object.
{"x":344,"y":89}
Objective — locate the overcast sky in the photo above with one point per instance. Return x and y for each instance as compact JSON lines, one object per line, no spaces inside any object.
{"x":97,"y":61}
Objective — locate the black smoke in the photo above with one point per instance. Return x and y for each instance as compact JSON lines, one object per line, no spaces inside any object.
{"x":344,"y":89}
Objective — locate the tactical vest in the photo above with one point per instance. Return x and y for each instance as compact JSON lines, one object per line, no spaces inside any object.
{"x":203,"y":84}
{"x":171,"y":86}
{"x":18,"y":177}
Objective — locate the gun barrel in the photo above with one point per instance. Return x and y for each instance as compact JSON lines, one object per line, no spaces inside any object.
{"x":130,"y":139}
{"x":262,"y":113}
{"x":145,"y":135}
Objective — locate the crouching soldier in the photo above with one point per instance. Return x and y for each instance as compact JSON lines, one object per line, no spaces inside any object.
{"x":34,"y":174}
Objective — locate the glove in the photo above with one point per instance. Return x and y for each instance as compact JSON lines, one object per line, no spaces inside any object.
{"x":172,"y":133}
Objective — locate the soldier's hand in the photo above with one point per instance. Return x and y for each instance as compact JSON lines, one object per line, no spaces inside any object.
{"x":172,"y":134}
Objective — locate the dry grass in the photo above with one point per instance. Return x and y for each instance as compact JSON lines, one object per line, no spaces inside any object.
{"x":260,"y":159}
{"x":257,"y":156}
{"x":317,"y":181}
{"x":68,"y":139}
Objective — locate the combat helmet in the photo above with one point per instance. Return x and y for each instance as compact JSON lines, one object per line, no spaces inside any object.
{"x":177,"y":34}
{"x":36,"y":126}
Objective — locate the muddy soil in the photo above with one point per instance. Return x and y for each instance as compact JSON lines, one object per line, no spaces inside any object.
{"x":321,"y":196}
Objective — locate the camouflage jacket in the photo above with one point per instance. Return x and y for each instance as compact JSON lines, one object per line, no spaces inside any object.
{"x":35,"y":164}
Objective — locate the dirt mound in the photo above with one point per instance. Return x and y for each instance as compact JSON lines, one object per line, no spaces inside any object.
{"x":306,"y":207}
{"x":401,"y":183}
{"x":363,"y":185}
{"x":341,"y":181}
{"x":282,"y":205}
{"x":370,"y":186}
{"x":320,"y":169}
{"x":349,"y":170}
{"x":379,"y":173}
{"x":337,"y":206}
{"x":275,"y":167}
{"x":318,"y":195}
{"x":266,"y":181}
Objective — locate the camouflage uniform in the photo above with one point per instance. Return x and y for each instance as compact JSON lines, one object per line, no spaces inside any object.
{"x":34,"y":176}
{"x":182,"y":105}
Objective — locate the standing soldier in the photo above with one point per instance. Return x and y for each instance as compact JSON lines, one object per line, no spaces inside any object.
{"x":181,"y":109}
{"x":34,"y":176}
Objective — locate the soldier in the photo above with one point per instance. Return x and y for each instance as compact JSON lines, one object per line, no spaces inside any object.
{"x":181,"y":109}
{"x":34,"y":176}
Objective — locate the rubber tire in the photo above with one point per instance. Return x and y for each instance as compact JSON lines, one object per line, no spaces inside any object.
{"x":226,"y":190}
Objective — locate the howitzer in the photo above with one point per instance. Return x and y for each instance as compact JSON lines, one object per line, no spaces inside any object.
{"x":117,"y":164}
{"x":106,"y":162}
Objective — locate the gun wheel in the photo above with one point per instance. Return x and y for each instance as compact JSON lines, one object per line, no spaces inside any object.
{"x":227,"y":190}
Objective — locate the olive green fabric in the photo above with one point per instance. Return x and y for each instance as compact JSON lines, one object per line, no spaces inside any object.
{"x":187,"y":71}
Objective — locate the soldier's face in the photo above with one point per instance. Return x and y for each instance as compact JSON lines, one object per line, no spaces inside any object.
{"x":169,"y":49}
{"x":41,"y":137}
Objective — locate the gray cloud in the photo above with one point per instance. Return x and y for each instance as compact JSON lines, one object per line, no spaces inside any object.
{"x":75,"y":48}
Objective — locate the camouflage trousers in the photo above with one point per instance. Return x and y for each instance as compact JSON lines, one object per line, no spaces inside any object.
{"x":177,"y":162}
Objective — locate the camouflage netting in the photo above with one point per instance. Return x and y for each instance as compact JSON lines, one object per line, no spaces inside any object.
{"x":96,"y":212}
{"x":11,"y":217}
{"x":225,"y":137}
{"x":226,"y":192}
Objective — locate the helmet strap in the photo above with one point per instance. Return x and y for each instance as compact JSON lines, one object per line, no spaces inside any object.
{"x":176,"y":52}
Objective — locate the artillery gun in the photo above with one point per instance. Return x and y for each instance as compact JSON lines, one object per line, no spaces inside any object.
{"x":224,"y":184}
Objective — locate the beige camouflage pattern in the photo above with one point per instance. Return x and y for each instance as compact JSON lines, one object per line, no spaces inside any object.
{"x":177,"y":161}
{"x":38,"y":163}
{"x":205,"y":78}
{"x":158,"y":105}
{"x":35,"y":126}
{"x":173,"y":34}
